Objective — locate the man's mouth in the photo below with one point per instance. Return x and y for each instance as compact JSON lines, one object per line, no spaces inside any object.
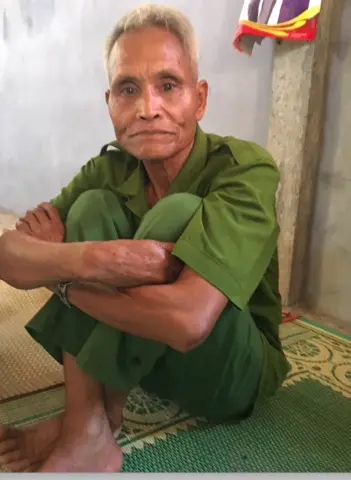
{"x":150,"y":133}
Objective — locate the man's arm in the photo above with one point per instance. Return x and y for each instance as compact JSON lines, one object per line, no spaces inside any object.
{"x":166,"y":313}
{"x":34,"y":256}
{"x":27,"y":262}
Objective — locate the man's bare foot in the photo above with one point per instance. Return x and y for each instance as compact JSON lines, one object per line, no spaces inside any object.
{"x":85,"y":447}
{"x":23,"y":449}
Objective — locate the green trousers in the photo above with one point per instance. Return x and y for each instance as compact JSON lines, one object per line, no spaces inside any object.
{"x":218,"y":379}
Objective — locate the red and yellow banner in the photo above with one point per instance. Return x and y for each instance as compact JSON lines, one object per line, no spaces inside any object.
{"x":282,"y":19}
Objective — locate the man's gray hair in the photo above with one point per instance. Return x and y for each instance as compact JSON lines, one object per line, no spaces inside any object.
{"x":153,"y":15}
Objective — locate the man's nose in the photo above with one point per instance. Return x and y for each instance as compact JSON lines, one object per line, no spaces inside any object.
{"x":149,"y":105}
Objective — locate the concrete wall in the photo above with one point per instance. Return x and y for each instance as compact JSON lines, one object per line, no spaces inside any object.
{"x":53,"y":117}
{"x":329,"y":279}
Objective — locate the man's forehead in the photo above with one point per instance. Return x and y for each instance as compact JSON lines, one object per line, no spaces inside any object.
{"x":157,"y":36}
{"x":151,"y":46}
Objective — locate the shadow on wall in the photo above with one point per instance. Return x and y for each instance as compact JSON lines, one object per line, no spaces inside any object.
{"x":37,"y":14}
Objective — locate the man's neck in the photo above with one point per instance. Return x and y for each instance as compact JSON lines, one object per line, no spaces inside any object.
{"x":162,"y":173}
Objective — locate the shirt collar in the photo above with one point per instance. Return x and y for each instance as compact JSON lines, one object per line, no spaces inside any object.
{"x":134,"y":189}
{"x":193,"y":166}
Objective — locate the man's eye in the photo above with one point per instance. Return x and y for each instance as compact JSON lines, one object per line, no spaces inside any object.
{"x":167,"y":87}
{"x":128,"y":91}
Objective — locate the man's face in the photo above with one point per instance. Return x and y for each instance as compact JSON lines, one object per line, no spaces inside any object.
{"x":154,"y":100}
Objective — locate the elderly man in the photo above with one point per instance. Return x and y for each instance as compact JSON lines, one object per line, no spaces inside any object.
{"x":162,"y":253}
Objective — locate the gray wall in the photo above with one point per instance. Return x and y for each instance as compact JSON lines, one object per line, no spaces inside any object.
{"x":329,"y":282}
{"x":53,"y":117}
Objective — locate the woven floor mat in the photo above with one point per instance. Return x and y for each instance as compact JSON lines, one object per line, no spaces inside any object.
{"x":24,"y":366}
{"x":304,"y":428}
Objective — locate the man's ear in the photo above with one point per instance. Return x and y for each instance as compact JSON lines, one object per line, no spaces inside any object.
{"x":107,"y":96}
{"x":202,"y":93}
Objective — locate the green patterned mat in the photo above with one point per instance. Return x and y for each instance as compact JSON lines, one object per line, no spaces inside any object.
{"x":306,"y":427}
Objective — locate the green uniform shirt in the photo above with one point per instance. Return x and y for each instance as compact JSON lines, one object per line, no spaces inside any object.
{"x":231,"y":240}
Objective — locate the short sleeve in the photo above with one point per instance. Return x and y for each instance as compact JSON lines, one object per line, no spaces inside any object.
{"x":232,"y":237}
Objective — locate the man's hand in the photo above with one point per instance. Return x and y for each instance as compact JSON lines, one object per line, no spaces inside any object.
{"x":44,"y":223}
{"x":172,"y":265}
{"x":114,"y":263}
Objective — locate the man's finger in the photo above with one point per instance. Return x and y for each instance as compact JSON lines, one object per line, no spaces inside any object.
{"x":22,"y":226}
{"x":41,"y":216}
{"x":44,"y":212}
{"x":168,"y":246}
{"x":50,"y":210}
{"x":176,"y":265}
{"x":31,"y":219}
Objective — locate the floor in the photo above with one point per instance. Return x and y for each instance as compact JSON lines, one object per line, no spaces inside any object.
{"x":323,"y":320}
{"x":7,"y":221}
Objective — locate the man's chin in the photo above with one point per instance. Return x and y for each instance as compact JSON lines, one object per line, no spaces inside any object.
{"x":153,"y":154}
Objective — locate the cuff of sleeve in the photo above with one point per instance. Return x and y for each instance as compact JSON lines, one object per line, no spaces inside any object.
{"x":212,"y":271}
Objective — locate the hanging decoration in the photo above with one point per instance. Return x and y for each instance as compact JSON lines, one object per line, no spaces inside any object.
{"x":281,"y":19}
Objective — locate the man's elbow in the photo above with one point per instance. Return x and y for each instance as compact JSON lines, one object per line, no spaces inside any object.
{"x":192,"y":333}
{"x":4,"y":247}
{"x":7,"y":273}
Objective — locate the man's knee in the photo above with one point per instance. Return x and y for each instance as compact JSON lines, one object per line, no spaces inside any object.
{"x":167,"y":220}
{"x":178,"y":205}
{"x":90,"y":204}
{"x":97,"y":215}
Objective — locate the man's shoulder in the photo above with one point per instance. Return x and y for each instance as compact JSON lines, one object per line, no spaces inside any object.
{"x":238,"y":152}
{"x":111,"y":160}
{"x":231,"y":160}
{"x":112,"y":152}
{"x":110,"y":148}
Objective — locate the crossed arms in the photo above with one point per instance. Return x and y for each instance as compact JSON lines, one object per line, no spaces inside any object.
{"x":152,"y":300}
{"x":230,"y":240}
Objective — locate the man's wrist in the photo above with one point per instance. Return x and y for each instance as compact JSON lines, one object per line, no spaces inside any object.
{"x":90,"y":262}
{"x":75,"y":257}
